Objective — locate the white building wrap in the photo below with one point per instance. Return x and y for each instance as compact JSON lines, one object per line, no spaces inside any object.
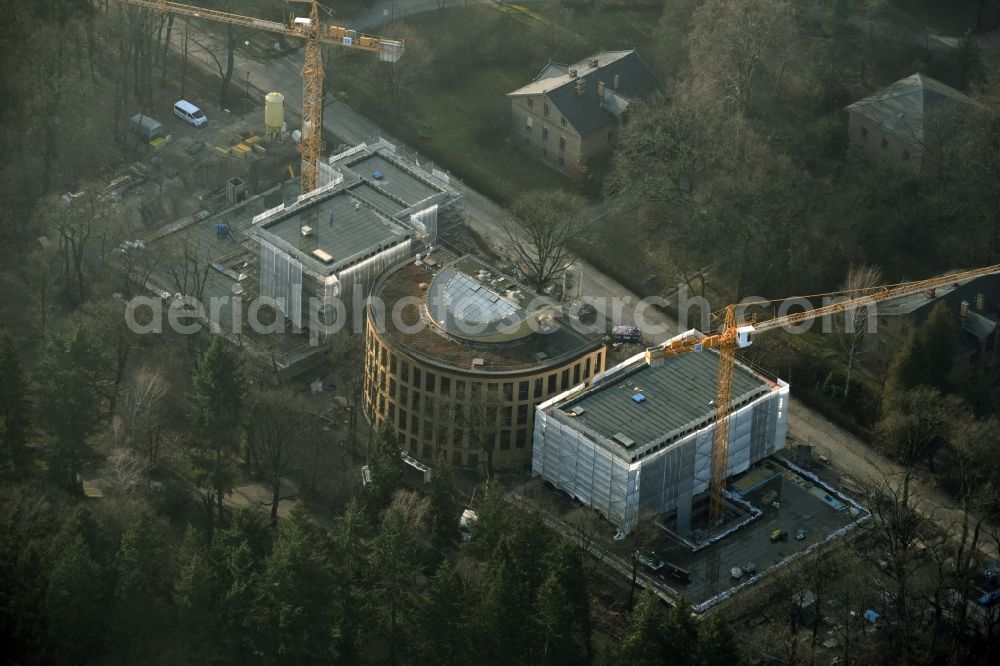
{"x":281,"y":279}
{"x":663,"y":480}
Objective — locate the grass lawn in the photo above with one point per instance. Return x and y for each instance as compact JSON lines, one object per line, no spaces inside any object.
{"x":462,"y":122}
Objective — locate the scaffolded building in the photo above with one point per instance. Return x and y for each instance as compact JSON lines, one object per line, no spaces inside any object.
{"x":636,"y":441}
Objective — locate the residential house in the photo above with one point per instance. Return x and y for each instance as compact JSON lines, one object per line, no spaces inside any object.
{"x":895,"y":125}
{"x":975,"y":305}
{"x":569,"y":113}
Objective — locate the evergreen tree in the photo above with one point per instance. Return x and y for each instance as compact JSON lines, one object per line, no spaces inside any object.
{"x":716,"y":645}
{"x":554,"y":625}
{"x":644,"y":643}
{"x":844,"y":42}
{"x":15,"y":408}
{"x":567,"y":565}
{"x":352,"y":554}
{"x":238,"y":553}
{"x":393,"y":564}
{"x":195,"y":593}
{"x":681,"y":635}
{"x":442,"y":639}
{"x":69,"y":402}
{"x":216,"y":405}
{"x":444,"y":517}
{"x":504,"y":631}
{"x":294,"y":611}
{"x":386,"y":467}
{"x":140,"y":589}
{"x":494,"y":521}
{"x":74,"y":605}
{"x":925,"y":359}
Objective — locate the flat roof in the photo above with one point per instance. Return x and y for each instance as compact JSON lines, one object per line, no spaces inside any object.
{"x":676,"y":394}
{"x":342,"y":227}
{"x":434,"y":344}
{"x":395,"y":181}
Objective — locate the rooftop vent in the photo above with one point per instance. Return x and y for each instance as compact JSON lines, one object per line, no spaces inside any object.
{"x":306,"y":231}
{"x":593,"y":62}
{"x":581,"y":87}
{"x":577,"y":411}
{"x":638,"y":397}
{"x":478,"y":362}
{"x":541,"y":356}
{"x":572,"y":72}
{"x":623,"y":439}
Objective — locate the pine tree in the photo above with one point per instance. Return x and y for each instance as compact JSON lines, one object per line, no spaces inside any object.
{"x":294,"y":611}
{"x":352,"y":555}
{"x":442,"y":639}
{"x":15,"y":408}
{"x":681,"y":634}
{"x":925,"y":359}
{"x":567,"y":565}
{"x":444,"y":518}
{"x":195,"y":591}
{"x":386,"y":467}
{"x":554,"y":624}
{"x":393,"y":563}
{"x":494,"y":521}
{"x":140,"y":589}
{"x":644,"y":644}
{"x":216,"y":406}
{"x":69,"y":401}
{"x":716,"y":645}
{"x":74,"y":604}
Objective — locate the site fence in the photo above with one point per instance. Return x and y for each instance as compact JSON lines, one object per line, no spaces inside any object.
{"x":416,"y":161}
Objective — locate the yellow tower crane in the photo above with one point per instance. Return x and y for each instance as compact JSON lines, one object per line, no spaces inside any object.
{"x":734,"y":335}
{"x":315,"y":34}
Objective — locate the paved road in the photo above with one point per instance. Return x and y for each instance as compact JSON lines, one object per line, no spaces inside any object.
{"x":486,"y":218}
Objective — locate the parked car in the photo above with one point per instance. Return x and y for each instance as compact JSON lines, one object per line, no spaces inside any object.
{"x":779,"y":535}
{"x":801,"y":534}
{"x":189,"y":113}
{"x":750,"y":568}
{"x":736,"y":573}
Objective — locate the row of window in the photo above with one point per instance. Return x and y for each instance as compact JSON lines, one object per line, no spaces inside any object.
{"x":529,"y":126}
{"x":885,"y":143}
{"x":545,"y":110}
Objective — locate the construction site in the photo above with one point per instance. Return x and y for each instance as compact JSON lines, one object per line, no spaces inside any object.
{"x":676,"y":448}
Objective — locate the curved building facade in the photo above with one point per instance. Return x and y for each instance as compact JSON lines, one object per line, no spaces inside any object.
{"x":458,"y":355}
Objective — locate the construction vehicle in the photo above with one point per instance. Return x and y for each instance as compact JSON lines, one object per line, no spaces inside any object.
{"x":315,"y":34}
{"x":734,"y":335}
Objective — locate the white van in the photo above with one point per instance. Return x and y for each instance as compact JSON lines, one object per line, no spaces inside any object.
{"x":188,"y":112}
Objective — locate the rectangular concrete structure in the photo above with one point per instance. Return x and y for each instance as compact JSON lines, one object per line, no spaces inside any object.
{"x":634,"y":458}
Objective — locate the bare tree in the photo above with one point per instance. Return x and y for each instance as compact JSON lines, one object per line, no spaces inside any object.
{"x":539,"y":241}
{"x":861,"y":279}
{"x":276,"y":431}
{"x":125,"y":471}
{"x":142,"y":411}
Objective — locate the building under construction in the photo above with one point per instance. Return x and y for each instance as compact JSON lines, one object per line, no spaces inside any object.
{"x":332,"y":243}
{"x":636,"y":442}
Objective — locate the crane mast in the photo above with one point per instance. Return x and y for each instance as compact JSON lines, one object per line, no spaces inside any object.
{"x":315,"y":34}
{"x":735,"y":335}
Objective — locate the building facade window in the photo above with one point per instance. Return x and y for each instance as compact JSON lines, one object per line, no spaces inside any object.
{"x":531,"y":103}
{"x":527,"y":123}
{"x":522,"y":390}
{"x":545,"y":109}
{"x":906,"y":156}
{"x":885,"y":143}
{"x":864,"y":132}
{"x":545,"y":134}
{"x":562,"y":144}
{"x":562,"y":121}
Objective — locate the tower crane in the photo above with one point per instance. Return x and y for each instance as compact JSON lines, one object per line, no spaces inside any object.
{"x":315,"y":35}
{"x":735,"y":334}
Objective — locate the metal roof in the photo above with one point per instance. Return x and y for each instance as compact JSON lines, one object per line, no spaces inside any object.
{"x":901,"y":108}
{"x":677,"y":394}
{"x":585,"y":111}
